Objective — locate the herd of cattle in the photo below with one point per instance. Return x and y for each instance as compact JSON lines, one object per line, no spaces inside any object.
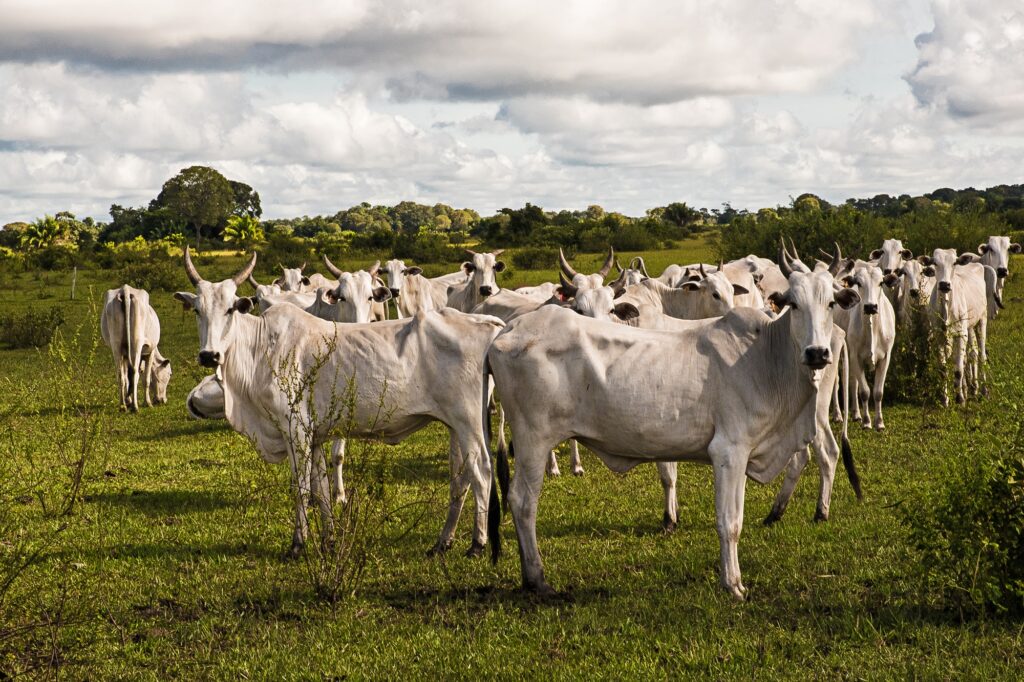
{"x":737,"y":365}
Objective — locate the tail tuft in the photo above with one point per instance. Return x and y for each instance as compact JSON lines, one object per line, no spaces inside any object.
{"x":494,"y":522}
{"x":503,"y":472}
{"x":851,"y":469}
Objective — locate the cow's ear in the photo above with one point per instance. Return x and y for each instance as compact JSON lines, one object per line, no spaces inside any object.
{"x":758,"y":276}
{"x":305,"y":281}
{"x":877,"y":253}
{"x":243,"y":305}
{"x":332,"y":296}
{"x":929,"y":271}
{"x":779,"y":299}
{"x":907,"y":254}
{"x":626,"y":311}
{"x":468,"y":267}
{"x":925,"y":260}
{"x":618,"y":292}
{"x":848,"y":281}
{"x":690,"y":285}
{"x":891,"y":279}
{"x":966,"y":258}
{"x":188,"y":300}
{"x":381,"y":294}
{"x":739,"y":290}
{"x":1015,"y":248}
{"x":499,"y":266}
{"x":413,"y":270}
{"x":982,"y":249}
{"x":847,"y":298}
{"x":165,"y":363}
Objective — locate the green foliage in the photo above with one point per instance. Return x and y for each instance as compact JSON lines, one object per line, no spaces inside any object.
{"x":200,"y":197}
{"x":535,"y":258}
{"x":30,"y":329}
{"x":970,"y":532}
{"x":245,"y":231}
{"x":153,"y":275}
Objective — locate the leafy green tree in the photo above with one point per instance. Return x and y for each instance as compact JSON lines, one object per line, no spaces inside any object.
{"x":198,"y":196}
{"x":247,"y":200}
{"x":245,"y":231}
{"x":43,"y":233}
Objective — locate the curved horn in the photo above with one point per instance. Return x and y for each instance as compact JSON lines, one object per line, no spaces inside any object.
{"x":607,"y":267}
{"x":253,"y":282}
{"x":721,"y":264}
{"x":703,"y":274}
{"x":303,"y":266}
{"x":497,"y":252}
{"x":190,"y":270}
{"x":792,"y":244}
{"x":471,"y":252}
{"x":564,"y":266}
{"x":837,"y":261}
{"x":643,"y":266}
{"x":331,"y":266}
{"x":374,"y":269}
{"x":784,"y":262}
{"x":241,"y":275}
{"x":619,"y":283}
{"x":568,"y":290}
{"x":618,"y":266}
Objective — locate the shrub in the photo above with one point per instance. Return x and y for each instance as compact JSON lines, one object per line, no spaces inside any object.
{"x":970,"y":535}
{"x":915,"y":375}
{"x":536,"y":258}
{"x":31,"y":329}
{"x":153,"y":275}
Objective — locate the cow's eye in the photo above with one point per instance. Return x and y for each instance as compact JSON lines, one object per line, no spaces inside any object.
{"x":831,"y":304}
{"x":793,"y":306}
{"x":716,"y":296}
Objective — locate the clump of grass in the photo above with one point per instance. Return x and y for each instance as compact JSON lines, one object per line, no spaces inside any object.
{"x":30,"y":329}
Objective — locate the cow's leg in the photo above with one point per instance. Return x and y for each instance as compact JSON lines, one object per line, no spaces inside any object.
{"x":337,"y":481}
{"x":523,"y":495}
{"x":667,"y":472}
{"x":863,"y":409}
{"x":982,"y":359}
{"x":945,"y":345}
{"x":299,"y":462}
{"x":133,"y":379}
{"x":881,"y":370}
{"x":321,"y":492}
{"x":827,"y":450}
{"x":459,"y":478}
{"x":960,"y":352}
{"x":794,"y":468}
{"x":552,"y":465}
{"x":729,"y":461}
{"x":478,"y":469}
{"x":574,"y":458}
{"x":122,"y":378}
{"x":837,"y":411}
{"x":146,"y":377}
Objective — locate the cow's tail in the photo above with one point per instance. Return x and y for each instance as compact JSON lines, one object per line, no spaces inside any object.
{"x":499,"y":469}
{"x":126,"y":308}
{"x":851,"y":469}
{"x":992,"y":298}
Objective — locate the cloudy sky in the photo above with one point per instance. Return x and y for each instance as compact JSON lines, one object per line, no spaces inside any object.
{"x":630,"y":104}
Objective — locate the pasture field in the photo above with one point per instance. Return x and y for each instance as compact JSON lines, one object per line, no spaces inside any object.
{"x":171,"y":565}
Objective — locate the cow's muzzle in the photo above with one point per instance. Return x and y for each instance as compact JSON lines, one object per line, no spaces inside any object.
{"x":394,"y":293}
{"x":870,"y":308}
{"x":817,"y":357}
{"x":915,"y":294}
{"x":1001,"y":273}
{"x":485,"y":291}
{"x":209,"y":358}
{"x":945,"y":287}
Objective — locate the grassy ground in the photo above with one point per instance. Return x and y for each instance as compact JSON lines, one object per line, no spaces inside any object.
{"x":171,"y":567}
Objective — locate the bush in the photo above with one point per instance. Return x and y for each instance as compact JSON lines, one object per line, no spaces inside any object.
{"x":31,"y":329}
{"x":970,"y":535}
{"x":915,"y":374}
{"x":536,"y":258}
{"x":153,"y":275}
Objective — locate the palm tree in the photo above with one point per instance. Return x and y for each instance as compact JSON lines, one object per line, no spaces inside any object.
{"x":43,"y":232}
{"x":243,"y":230}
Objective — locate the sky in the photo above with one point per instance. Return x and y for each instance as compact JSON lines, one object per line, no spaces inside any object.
{"x":629,"y":104}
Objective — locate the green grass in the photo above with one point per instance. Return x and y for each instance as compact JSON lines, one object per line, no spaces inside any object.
{"x":172,"y":566}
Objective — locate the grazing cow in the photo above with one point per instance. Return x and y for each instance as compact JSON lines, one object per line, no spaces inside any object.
{"x":741,"y":393}
{"x":581,"y":281}
{"x":995,"y":253}
{"x":482,"y":282}
{"x":402,"y":376}
{"x":131,"y":328}
{"x":960,"y":306}
{"x":206,"y":400}
{"x":870,"y":328}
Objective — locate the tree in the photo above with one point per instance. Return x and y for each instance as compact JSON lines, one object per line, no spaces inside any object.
{"x":247,"y":200}
{"x":244,"y":230}
{"x":200,"y":197}
{"x":680,"y":215}
{"x":43,"y":232}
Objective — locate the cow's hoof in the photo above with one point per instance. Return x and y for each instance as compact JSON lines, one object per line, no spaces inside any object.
{"x":984,"y":391}
{"x":295,"y":551}
{"x":554,"y":471}
{"x":667,"y":524}
{"x":738,"y":592}
{"x":542,"y":590}
{"x":578,"y":471}
{"x":879,"y":426}
{"x":773,"y":516}
{"x":820,"y":516}
{"x":476,"y":549}
{"x":439,"y":549}
{"x":960,"y":400}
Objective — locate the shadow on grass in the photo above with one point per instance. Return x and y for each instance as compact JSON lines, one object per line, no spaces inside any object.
{"x":190,"y":427}
{"x":165,"y":502}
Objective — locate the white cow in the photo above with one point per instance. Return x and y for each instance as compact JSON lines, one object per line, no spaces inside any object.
{"x":891,"y":256}
{"x":961,"y":304}
{"x":741,"y":394}
{"x":701,"y":295}
{"x":913,"y":290}
{"x":995,"y":253}
{"x":131,"y":328}
{"x":481,"y":283}
{"x":402,"y":375}
{"x":378,"y":306}
{"x":870,"y":328}
{"x":206,"y":400}
{"x":581,"y":281}
{"x":413,"y":292}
